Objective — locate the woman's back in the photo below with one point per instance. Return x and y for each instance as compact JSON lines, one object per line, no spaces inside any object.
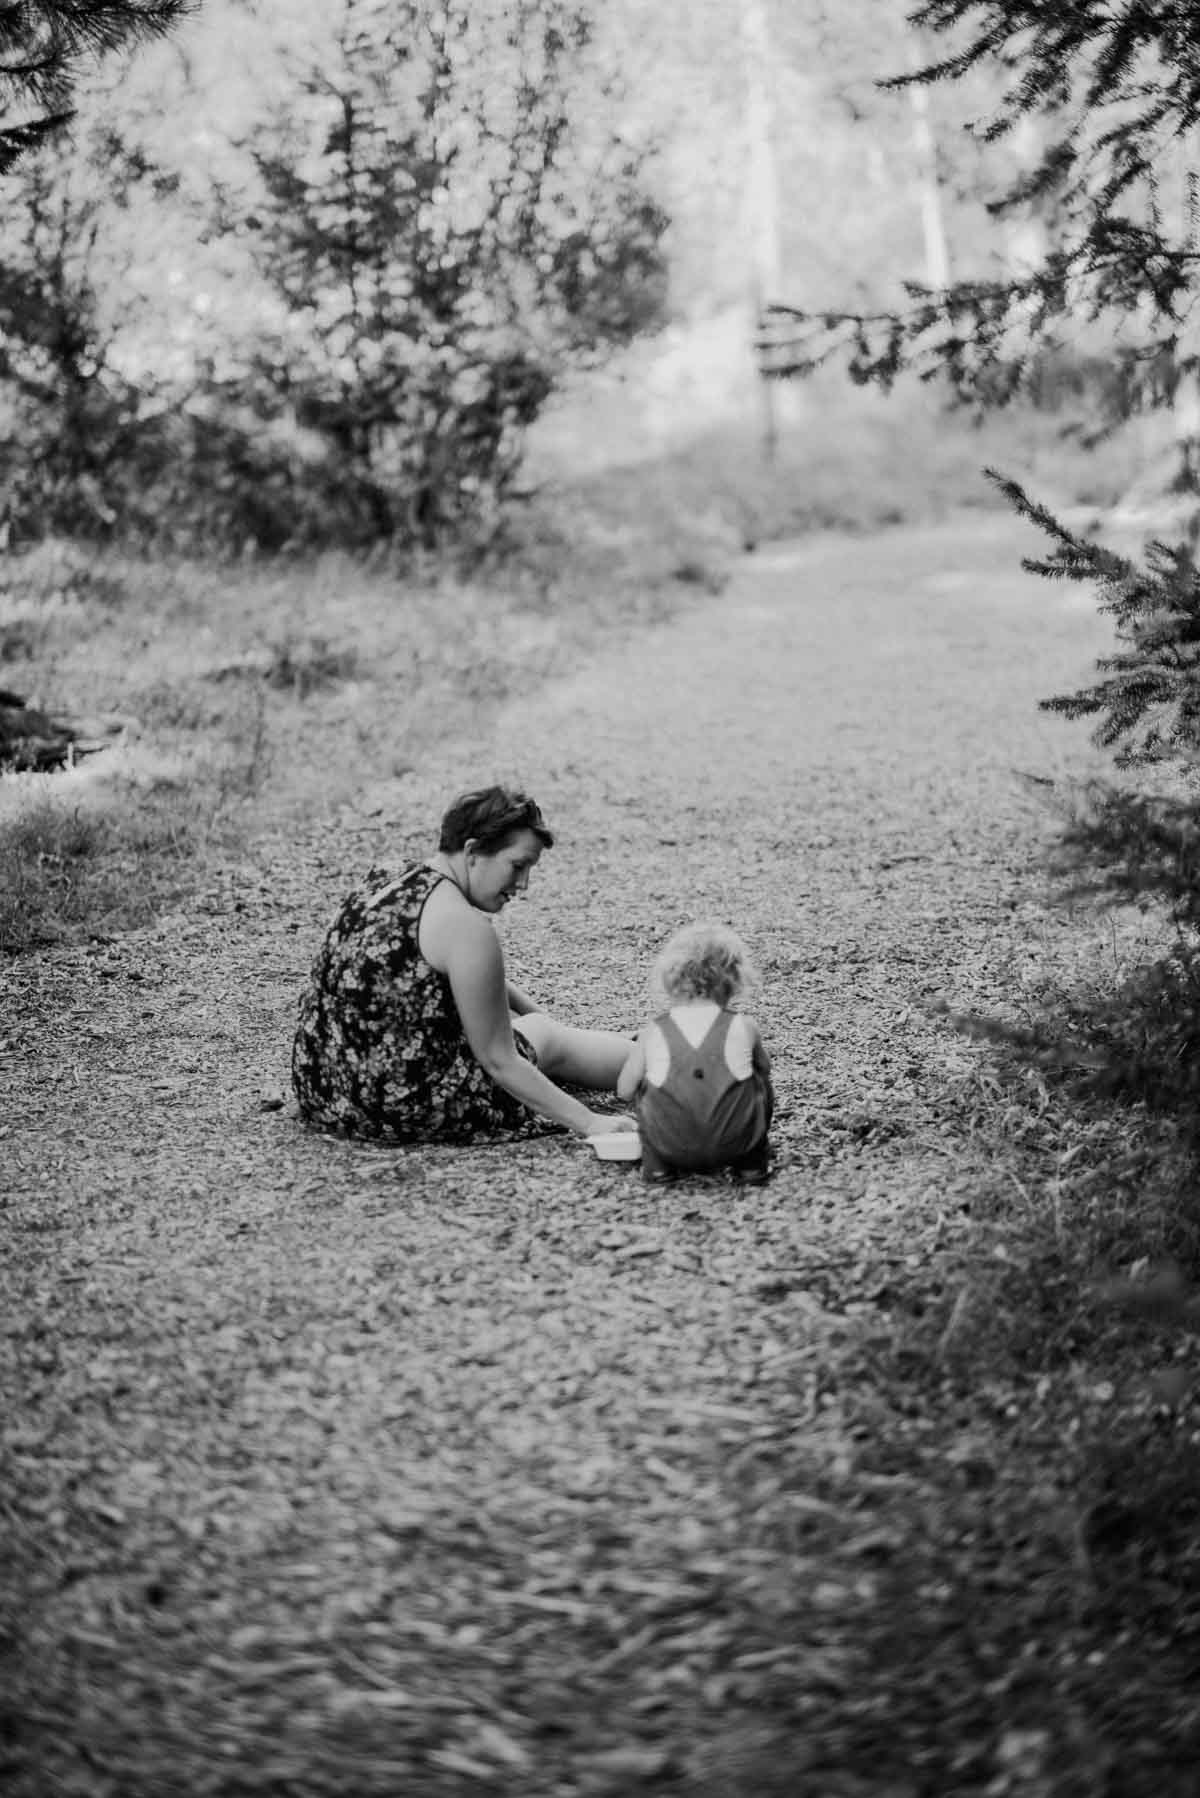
{"x":379,"y":1047}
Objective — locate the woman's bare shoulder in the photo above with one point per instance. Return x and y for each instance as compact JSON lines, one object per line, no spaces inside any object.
{"x":450,"y":926}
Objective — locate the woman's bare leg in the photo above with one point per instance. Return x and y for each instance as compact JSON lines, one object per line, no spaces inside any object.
{"x":590,"y":1058}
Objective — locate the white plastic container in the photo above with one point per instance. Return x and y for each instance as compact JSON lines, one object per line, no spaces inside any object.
{"x":617,"y":1145}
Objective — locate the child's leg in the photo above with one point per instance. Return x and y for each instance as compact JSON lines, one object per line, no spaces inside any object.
{"x":591,"y":1058}
{"x":754,"y":1168}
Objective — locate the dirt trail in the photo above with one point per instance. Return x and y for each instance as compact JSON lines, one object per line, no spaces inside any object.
{"x":338,"y":1469}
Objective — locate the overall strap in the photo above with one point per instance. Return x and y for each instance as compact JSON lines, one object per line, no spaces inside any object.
{"x":716,"y":1033}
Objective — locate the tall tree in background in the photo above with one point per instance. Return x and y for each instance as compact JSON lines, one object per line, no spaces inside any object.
{"x":762,"y":189}
{"x":43,"y":44}
{"x":933,"y":219}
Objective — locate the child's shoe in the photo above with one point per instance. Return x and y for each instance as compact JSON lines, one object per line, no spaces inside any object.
{"x":753,"y":1169}
{"x":655,"y":1171}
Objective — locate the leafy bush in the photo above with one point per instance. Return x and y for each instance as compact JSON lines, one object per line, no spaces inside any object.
{"x":420,"y":236}
{"x":395,"y":264}
{"x":436,"y":243}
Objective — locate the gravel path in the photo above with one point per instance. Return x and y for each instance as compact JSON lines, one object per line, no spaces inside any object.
{"x":333,"y":1469}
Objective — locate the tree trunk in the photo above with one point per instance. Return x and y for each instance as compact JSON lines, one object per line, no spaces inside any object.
{"x":762,"y":193}
{"x":1185,"y":408}
{"x":933,"y":220}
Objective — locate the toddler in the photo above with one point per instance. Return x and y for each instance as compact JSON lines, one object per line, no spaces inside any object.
{"x":698,"y":1073}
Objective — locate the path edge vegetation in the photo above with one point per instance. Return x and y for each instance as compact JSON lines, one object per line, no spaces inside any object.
{"x":1107,"y":99}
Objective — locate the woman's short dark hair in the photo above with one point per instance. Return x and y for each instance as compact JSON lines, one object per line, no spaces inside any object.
{"x":491,"y":815}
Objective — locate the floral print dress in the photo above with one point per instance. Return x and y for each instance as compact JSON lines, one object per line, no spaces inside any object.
{"x":379,"y":1048}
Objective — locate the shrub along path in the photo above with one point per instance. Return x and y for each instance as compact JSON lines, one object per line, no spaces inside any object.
{"x":344,"y":1470}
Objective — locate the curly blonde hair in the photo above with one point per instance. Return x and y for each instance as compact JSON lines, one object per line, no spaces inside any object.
{"x":703,"y":961}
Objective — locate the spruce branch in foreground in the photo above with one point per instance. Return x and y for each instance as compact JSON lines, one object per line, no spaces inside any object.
{"x":1148,"y":702}
{"x":42,"y":45}
{"x":1115,"y":95}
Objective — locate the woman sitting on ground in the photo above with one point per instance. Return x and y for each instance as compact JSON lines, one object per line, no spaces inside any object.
{"x":409,"y":1027}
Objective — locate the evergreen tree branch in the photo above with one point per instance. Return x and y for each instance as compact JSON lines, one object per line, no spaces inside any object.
{"x":43,"y":42}
{"x":15,"y":140}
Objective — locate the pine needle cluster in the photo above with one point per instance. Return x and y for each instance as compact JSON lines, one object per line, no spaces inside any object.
{"x":42,"y":44}
{"x":1147,"y":702}
{"x":1117,"y":843}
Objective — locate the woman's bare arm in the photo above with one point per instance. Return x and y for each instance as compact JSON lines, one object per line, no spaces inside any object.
{"x":475,"y":969}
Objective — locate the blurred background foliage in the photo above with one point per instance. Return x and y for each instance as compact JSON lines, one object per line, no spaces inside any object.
{"x":303,"y":274}
{"x":306,"y":273}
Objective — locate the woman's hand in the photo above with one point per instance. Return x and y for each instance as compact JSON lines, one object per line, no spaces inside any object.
{"x":610,"y":1123}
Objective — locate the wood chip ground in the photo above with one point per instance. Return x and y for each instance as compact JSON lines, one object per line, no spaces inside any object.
{"x":334,"y":1469}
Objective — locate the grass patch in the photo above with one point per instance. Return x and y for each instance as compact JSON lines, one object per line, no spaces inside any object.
{"x":267,"y":690}
{"x":307,"y":664}
{"x":1093,"y":1098}
{"x":68,"y":872}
